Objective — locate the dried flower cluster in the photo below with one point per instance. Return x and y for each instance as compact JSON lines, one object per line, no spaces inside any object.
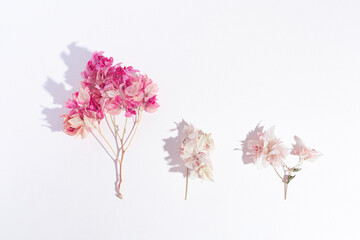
{"x":110,"y":89}
{"x":195,"y":151}
{"x":266,"y":149}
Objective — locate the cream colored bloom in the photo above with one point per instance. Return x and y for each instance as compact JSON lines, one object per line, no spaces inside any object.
{"x":195,"y":151}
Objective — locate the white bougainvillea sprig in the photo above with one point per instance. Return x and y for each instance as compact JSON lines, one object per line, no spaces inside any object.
{"x":265,"y":149}
{"x":195,"y":151}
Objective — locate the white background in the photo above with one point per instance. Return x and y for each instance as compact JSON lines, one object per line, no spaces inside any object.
{"x":222,"y":65}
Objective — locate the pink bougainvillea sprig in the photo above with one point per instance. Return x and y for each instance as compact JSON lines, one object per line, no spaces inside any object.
{"x":195,"y":151}
{"x":110,"y":91}
{"x":265,"y":149}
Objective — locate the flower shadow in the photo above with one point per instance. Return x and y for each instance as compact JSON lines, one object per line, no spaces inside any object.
{"x":172,"y":147}
{"x":252,"y":135}
{"x":75,"y":61}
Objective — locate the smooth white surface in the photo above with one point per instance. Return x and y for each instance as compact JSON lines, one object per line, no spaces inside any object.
{"x":222,"y":65}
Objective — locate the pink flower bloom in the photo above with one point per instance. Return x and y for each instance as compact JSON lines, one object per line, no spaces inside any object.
{"x":114,"y":105}
{"x":108,"y":88}
{"x":67,"y":126}
{"x":113,"y":89}
{"x":254,"y":145}
{"x":274,"y":151}
{"x":267,"y":149}
{"x":150,"y":88}
{"x":201,"y":166}
{"x":98,"y":63}
{"x":83,"y":103}
{"x":304,"y":152}
{"x":83,"y":96}
{"x":76,"y":125}
{"x":133,"y":86}
{"x":151,"y":105}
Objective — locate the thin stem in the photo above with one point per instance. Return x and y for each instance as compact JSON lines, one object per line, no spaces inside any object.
{"x":120,"y":174}
{"x":132,"y":129}
{"x":108,"y":143}
{"x":107,"y":122}
{"x":187,"y":182}
{"x":297,"y":165}
{"x":137,"y":125}
{"x":289,"y":171}
{"x":122,"y":158}
{"x":123,"y":134}
{"x":282,"y":179}
{"x":123,"y":148}
{"x":115,"y":128}
{"x":122,"y":152}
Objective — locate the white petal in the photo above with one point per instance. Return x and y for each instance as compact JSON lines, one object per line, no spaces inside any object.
{"x":88,"y":121}
{"x":76,"y":122}
{"x":83,"y":96}
{"x":112,"y":93}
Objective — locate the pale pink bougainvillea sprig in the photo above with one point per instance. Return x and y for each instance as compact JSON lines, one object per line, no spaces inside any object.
{"x":195,"y":152}
{"x":109,"y":90}
{"x":264,"y":149}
